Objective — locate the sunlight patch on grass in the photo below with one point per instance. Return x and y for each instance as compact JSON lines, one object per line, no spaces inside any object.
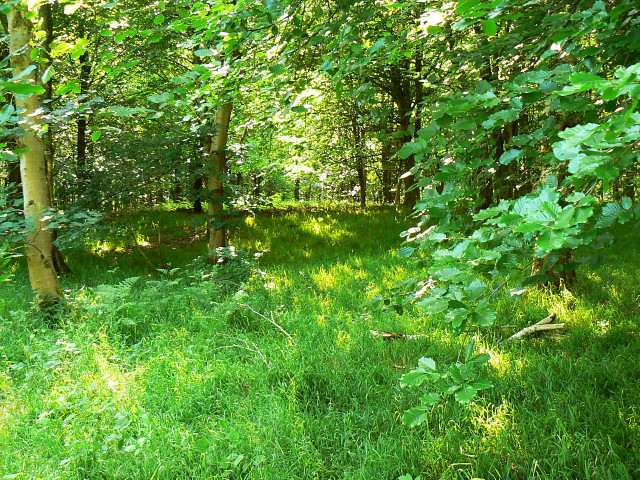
{"x":504,"y":363}
{"x":344,"y":340}
{"x":493,"y":420}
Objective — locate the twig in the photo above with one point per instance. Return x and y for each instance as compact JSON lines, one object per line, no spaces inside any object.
{"x":544,"y":324}
{"x":243,"y":347}
{"x":270,"y":320}
{"x":133,"y":235}
{"x":395,"y":335}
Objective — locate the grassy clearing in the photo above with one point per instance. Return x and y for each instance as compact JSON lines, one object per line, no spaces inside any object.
{"x":178,"y":377}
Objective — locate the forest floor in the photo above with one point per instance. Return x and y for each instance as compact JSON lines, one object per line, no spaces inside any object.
{"x":268,"y":369}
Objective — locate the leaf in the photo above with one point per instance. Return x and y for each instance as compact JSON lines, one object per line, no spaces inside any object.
{"x":160,"y":98}
{"x":457,"y":316}
{"x":577,"y":135}
{"x":484,"y":316}
{"x":582,"y":165}
{"x":377,"y":46}
{"x":427,"y":363}
{"x":159,"y":19}
{"x":489,"y":27}
{"x":455,"y":373}
{"x":489,"y":213}
{"x":23,"y":88}
{"x":587,"y":80}
{"x":551,"y":240}
{"x":204,"y":52}
{"x":529,"y":227}
{"x":607,"y":172}
{"x":468,"y":349}
{"x":48,"y":73}
{"x":553,"y":209}
{"x":465,"y":394}
{"x":5,"y":114}
{"x":480,"y":359}
{"x":415,"y":416}
{"x":481,"y":384}
{"x":405,"y":252}
{"x":95,"y":136}
{"x":501,"y":117}
{"x":610,"y":213}
{"x":465,"y":6}
{"x":583,"y":214}
{"x":414,"y":378}
{"x":430,"y":398}
{"x":511,"y":219}
{"x":510,"y":155}
{"x":433,"y":305}
{"x":476,"y":288}
{"x":277,"y":69}
{"x":412,"y":148}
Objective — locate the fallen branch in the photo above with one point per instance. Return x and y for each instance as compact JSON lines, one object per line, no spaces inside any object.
{"x":270,"y":320}
{"x":542,"y":325}
{"x":395,"y":335}
{"x":243,"y":347}
{"x":135,"y":240}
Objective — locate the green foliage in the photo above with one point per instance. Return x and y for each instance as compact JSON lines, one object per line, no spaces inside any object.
{"x":182,"y":386}
{"x":5,"y":256}
{"x":459,"y":379}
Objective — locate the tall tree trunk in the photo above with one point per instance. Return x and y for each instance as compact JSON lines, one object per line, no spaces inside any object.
{"x":362,"y":182}
{"x":215,"y":147}
{"x":197,"y":191}
{"x":296,"y":190}
{"x":360,"y":162}
{"x":33,"y":169}
{"x":81,"y":139}
{"x":387,"y":173}
{"x":46,"y":26}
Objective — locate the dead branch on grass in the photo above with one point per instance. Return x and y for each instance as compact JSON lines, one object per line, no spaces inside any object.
{"x":542,"y":325}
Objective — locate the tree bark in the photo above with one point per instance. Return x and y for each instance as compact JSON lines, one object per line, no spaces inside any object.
{"x":81,"y":140}
{"x":296,"y":190}
{"x":44,"y":12}
{"x":197,"y":191}
{"x":33,"y":169}
{"x":360,"y":162}
{"x":215,"y":148}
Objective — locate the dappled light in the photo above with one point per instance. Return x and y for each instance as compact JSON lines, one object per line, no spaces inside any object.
{"x":320,"y":239}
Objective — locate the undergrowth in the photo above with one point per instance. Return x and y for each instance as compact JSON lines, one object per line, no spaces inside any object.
{"x":266,"y":368}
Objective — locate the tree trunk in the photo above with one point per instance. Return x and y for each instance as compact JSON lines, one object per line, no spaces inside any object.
{"x":387,"y":173}
{"x":296,"y":191}
{"x":360,"y":162}
{"x":42,"y":274}
{"x":46,"y":26}
{"x":362,"y":182}
{"x":215,"y":148}
{"x":197,"y":191}
{"x":81,"y":140}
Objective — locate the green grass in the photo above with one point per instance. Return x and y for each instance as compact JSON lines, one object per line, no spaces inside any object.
{"x":175,"y":377}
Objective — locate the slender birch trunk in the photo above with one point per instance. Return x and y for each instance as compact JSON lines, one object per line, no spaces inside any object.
{"x":215,"y":147}
{"x":33,"y":169}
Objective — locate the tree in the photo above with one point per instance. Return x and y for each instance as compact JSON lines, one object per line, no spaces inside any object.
{"x":215,"y":148}
{"x":524,"y":159}
{"x":33,"y":168}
